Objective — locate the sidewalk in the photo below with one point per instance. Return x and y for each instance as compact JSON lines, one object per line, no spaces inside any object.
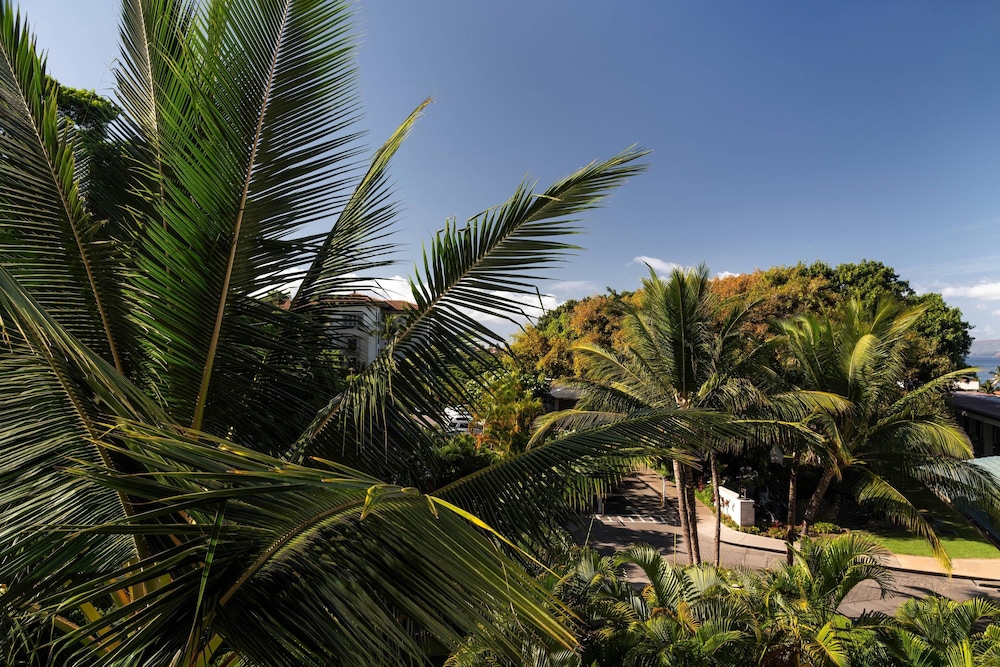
{"x":644,"y":519}
{"x":967,"y":568}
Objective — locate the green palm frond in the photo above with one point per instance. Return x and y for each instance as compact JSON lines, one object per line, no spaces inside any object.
{"x":48,"y":240}
{"x":478,"y":269}
{"x":60,"y":420}
{"x":288,"y":542}
{"x":271,"y":88}
{"x":563,"y":473}
{"x":143,"y":377}
{"x":357,"y":239}
{"x":894,"y":504}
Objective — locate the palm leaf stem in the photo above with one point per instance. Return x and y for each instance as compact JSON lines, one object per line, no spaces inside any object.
{"x":206,"y":378}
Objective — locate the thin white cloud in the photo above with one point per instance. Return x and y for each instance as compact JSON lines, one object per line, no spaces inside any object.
{"x":983,"y":332}
{"x":573,"y":286}
{"x":530,"y":305}
{"x":988,"y":291}
{"x":658,"y":265}
{"x":726,"y":274}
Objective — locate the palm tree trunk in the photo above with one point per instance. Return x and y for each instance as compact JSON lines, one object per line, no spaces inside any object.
{"x":682,"y":510}
{"x":793,"y":480}
{"x":692,"y":504}
{"x":816,"y":499}
{"x":718,"y":508}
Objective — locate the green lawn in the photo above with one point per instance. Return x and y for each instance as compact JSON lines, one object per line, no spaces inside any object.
{"x":960,"y":539}
{"x":957,"y":547}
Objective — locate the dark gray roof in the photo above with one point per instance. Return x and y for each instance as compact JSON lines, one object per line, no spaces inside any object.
{"x":978,"y":403}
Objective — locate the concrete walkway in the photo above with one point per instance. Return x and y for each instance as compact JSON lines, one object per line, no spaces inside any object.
{"x":641,"y":517}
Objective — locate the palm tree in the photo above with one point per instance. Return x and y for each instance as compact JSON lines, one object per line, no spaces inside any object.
{"x":684,"y":615}
{"x":938,"y":632}
{"x":796,"y":604}
{"x":898,"y":440}
{"x":683,"y":364}
{"x":183,"y":484}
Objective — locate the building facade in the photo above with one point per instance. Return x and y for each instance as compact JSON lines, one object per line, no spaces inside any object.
{"x":979,"y":414}
{"x":365,"y":326}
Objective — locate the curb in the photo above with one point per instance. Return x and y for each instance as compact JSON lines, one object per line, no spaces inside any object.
{"x":781,"y":550}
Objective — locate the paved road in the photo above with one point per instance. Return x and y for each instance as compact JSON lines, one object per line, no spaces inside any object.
{"x":637,"y":516}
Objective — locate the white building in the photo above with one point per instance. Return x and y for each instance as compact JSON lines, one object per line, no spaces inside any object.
{"x":365,"y":325}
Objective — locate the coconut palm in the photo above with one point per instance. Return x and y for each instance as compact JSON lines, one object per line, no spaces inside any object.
{"x":898,"y":440}
{"x":685,"y":615}
{"x":680,"y":362}
{"x":183,"y":483}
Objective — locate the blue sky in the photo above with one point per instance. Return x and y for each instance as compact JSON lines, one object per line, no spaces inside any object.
{"x":780,"y":131}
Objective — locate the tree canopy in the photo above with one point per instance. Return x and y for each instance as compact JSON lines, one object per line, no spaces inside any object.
{"x":939,"y":343}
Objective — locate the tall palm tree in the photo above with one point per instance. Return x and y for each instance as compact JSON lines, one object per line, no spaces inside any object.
{"x":682,"y":363}
{"x":898,"y":440}
{"x":181,"y":483}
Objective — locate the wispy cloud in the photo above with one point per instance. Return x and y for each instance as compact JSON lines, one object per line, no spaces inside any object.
{"x":726,"y":274}
{"x":573,"y":287}
{"x":983,"y":332}
{"x":658,"y":265}
{"x":532,"y":306}
{"x":988,"y":291}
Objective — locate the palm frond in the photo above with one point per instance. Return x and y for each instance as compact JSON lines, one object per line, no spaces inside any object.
{"x":308,"y":566}
{"x":252,"y":121}
{"x":48,"y":241}
{"x":894,"y":505}
{"x":470,"y":271}
{"x":58,"y":421}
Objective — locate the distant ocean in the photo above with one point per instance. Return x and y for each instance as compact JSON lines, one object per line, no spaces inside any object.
{"x":986,"y":365}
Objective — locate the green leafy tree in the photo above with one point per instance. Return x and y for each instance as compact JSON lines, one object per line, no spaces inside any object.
{"x":180,"y":486}
{"x":548,"y":345}
{"x":868,"y":281}
{"x":777,"y":293}
{"x":506,"y":407}
{"x":939,"y":342}
{"x":940,"y":339}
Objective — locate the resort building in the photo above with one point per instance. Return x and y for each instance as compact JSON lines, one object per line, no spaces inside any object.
{"x":979,"y":414}
{"x":366,"y":325}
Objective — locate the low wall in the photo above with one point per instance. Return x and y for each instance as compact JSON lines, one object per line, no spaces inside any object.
{"x":738,"y":509}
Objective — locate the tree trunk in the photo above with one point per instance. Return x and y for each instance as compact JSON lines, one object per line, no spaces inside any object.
{"x":692,"y":504}
{"x":682,"y":509}
{"x":816,"y":499}
{"x":793,"y":479}
{"x":718,"y":508}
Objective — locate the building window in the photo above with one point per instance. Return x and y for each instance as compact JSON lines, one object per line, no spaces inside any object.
{"x":352,"y":344}
{"x":353,"y":320}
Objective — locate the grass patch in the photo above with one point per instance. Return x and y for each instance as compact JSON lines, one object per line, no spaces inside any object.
{"x":956,"y":547}
{"x":959,"y":538}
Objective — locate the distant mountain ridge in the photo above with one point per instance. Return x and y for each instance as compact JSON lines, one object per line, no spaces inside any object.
{"x":985,"y":348}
